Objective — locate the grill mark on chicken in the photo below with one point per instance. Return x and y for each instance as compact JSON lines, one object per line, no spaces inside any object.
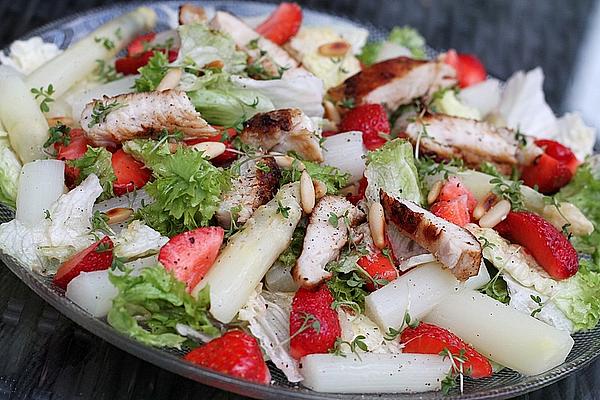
{"x":455,"y":247}
{"x":394,"y":82}
{"x":142,"y":115}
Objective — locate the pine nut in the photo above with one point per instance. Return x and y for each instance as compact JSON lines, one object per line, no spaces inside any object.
{"x":118,"y":215}
{"x":210,"y":149}
{"x":320,"y":188}
{"x":216,"y":64}
{"x":495,"y":215}
{"x":307,"y":193}
{"x":434,"y":193}
{"x":484,"y":205}
{"x":377,"y":224}
{"x":170,"y":80}
{"x":62,"y":120}
{"x":287,"y":162}
{"x":335,"y":49}
{"x":331,"y":112}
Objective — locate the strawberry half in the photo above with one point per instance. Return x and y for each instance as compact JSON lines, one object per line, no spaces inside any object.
{"x":76,"y":148}
{"x":236,"y":353}
{"x":191,"y":254}
{"x":550,"y":248}
{"x":282,"y":24}
{"x":547,"y":174}
{"x":431,"y":339}
{"x":131,"y":174}
{"x":560,"y":153}
{"x":379,"y":267}
{"x":360,"y":192}
{"x":371,"y":120}
{"x":97,"y":257}
{"x":314,"y":325}
{"x":138,"y":45}
{"x":469,"y":69}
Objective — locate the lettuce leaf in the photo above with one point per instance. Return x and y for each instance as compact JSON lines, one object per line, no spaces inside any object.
{"x":410,"y":38}
{"x":10,"y":169}
{"x":97,"y":161}
{"x":152,"y":73}
{"x":332,"y":177}
{"x":392,"y":169}
{"x":151,"y":303}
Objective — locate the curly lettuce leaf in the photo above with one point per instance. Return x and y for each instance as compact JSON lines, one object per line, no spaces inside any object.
{"x":410,"y":38}
{"x":332,"y":177}
{"x":152,"y":73}
{"x":392,"y":169}
{"x":150,"y":304}
{"x":10,"y":169}
{"x":97,"y":161}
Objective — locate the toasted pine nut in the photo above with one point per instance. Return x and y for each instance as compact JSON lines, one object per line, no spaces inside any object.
{"x":307,"y":193}
{"x":495,"y":215}
{"x":210,"y":149}
{"x":484,"y":205}
{"x":118,"y":215}
{"x":377,"y":224}
{"x":434,"y":193}
{"x":320,"y":188}
{"x":331,"y":112}
{"x":63,"y":120}
{"x":216,"y":64}
{"x":170,"y":80}
{"x":287,"y":162}
{"x":335,"y":49}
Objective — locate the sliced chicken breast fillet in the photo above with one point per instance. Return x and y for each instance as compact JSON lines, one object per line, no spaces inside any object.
{"x":453,"y":246}
{"x":323,"y":241}
{"x":474,"y":142}
{"x":113,"y":120}
{"x":395,"y":82}
{"x":283,"y":130}
{"x":255,"y":186}
{"x":243,"y":36}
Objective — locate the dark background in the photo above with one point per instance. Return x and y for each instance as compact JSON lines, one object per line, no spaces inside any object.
{"x":45,"y":356}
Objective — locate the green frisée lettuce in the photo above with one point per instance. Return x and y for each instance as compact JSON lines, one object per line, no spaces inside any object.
{"x":97,"y":161}
{"x":406,"y":37}
{"x":152,"y":73}
{"x":10,"y":168}
{"x":332,"y":177}
{"x":186,"y":189}
{"x":392,"y":169}
{"x":150,"y":304}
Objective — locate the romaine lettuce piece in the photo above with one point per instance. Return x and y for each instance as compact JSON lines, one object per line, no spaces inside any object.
{"x":97,"y":161}
{"x":10,"y":168}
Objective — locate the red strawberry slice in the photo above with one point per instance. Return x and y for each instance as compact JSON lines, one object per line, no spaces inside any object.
{"x":191,"y":254}
{"x":454,"y":188}
{"x":314,"y":325}
{"x":560,"y":153}
{"x":282,"y":24}
{"x":371,"y":120}
{"x":97,"y":257}
{"x":547,"y":174}
{"x":550,"y":248}
{"x":431,"y":339}
{"x":131,"y":174}
{"x":75,"y":149}
{"x":455,"y":211}
{"x":379,"y":267}
{"x":469,"y":70}
{"x":137,"y":45}
{"x":236,"y":353}
{"x":360,"y":193}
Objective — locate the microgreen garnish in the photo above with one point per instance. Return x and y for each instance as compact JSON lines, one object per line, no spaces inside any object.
{"x":101,"y":111}
{"x":46,"y":95}
{"x":58,"y":134}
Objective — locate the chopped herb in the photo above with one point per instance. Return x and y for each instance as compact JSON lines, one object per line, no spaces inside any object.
{"x":290,"y":255}
{"x":392,"y":333}
{"x":309,"y":321}
{"x":486,"y":243}
{"x":538,"y":301}
{"x":118,"y":33}
{"x":100,"y":223}
{"x":118,"y":263}
{"x":46,"y":95}
{"x":490,"y":169}
{"x":457,"y":369}
{"x":58,"y":134}
{"x":347,"y":102}
{"x":284,"y":211}
{"x":152,"y":73}
{"x":496,"y":288}
{"x":103,"y":247}
{"x":47,"y":215}
{"x":101,"y":111}
{"x":509,"y":191}
{"x":354,"y":345}
{"x":106,"y":42}
{"x":253,"y":44}
{"x":333,"y":220}
{"x":520,"y":138}
{"x":106,"y":73}
{"x":348,"y":283}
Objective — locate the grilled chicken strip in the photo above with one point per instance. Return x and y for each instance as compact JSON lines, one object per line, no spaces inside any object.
{"x":395,"y":82}
{"x":453,"y":246}
{"x":249,"y":40}
{"x":324,"y":239}
{"x":255,"y":186}
{"x":283,"y":130}
{"x":113,"y":120}
{"x":473,"y":141}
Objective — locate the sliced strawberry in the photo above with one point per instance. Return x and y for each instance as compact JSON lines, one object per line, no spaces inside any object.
{"x":371,"y":120}
{"x":560,"y":153}
{"x":130,"y":65}
{"x":225,"y":136}
{"x":455,"y":211}
{"x":314,"y":325}
{"x":360,"y":193}
{"x":75,"y":149}
{"x":431,"y":339}
{"x":454,"y":188}
{"x":97,"y":257}
{"x":547,"y":174}
{"x":191,"y":254}
{"x":379,"y":267}
{"x":236,"y":353}
{"x":469,"y":69}
{"x":282,"y":24}
{"x":550,"y":248}
{"x":131,"y":174}
{"x":138,"y":45}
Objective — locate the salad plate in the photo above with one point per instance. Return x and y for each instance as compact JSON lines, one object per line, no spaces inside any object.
{"x":504,"y":383}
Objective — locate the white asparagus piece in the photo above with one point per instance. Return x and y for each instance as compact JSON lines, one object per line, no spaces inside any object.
{"x":79,"y":60}
{"x":501,"y":333}
{"x":41,"y":183}
{"x":416,"y":293}
{"x":250,"y":253}
{"x":374,"y":373}
{"x":21,"y":116}
{"x":93,"y":292}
